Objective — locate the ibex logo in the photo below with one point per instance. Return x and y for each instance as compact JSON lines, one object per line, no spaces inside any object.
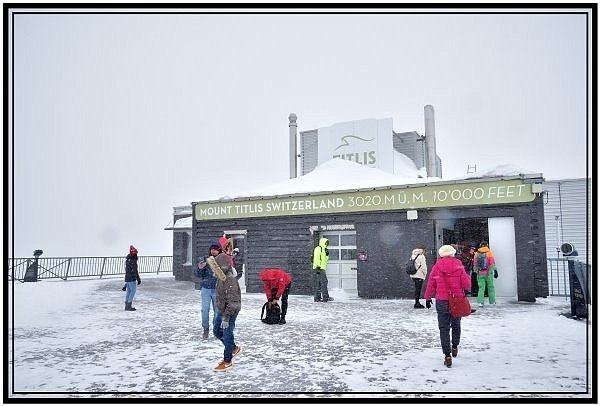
{"x":363,"y":157}
{"x":346,"y":143}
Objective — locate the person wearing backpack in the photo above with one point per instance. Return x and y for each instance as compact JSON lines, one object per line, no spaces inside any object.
{"x":420,"y":263}
{"x":277,"y":284}
{"x":484,"y":265}
{"x":320,"y":260}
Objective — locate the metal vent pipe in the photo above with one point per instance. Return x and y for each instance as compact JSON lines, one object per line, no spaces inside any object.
{"x":430,"y":141}
{"x":293,"y":151}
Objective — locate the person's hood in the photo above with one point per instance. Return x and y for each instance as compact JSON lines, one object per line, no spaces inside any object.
{"x":214,"y":243}
{"x":450,"y":266}
{"x":270,"y":274}
{"x":322,"y":242}
{"x":415,"y":252}
{"x":217,"y":270}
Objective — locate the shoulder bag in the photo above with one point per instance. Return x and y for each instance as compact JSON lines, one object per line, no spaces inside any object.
{"x":458,"y":306}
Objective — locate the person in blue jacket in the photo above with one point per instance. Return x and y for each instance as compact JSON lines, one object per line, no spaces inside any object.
{"x":208,"y":296}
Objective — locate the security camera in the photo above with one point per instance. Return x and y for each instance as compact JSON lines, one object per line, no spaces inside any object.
{"x":568,"y":250}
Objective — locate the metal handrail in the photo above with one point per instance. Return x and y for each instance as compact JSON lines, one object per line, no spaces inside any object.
{"x":73,"y":267}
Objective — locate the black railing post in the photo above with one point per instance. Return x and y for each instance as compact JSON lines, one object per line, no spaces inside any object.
{"x":68,"y":267}
{"x":102,"y":269}
{"x":159,"y":263}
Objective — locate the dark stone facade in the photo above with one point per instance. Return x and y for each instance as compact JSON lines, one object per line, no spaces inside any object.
{"x":388,"y":239}
{"x":180,"y":242}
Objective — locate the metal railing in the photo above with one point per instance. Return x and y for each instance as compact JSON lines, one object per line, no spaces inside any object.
{"x":74,"y":267}
{"x":558,"y":276}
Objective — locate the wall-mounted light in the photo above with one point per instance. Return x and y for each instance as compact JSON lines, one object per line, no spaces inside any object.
{"x":411,"y":215}
{"x":536,"y":188}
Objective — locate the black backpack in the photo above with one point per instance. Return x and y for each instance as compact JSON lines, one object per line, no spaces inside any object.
{"x":273,"y":313}
{"x":410,"y":266}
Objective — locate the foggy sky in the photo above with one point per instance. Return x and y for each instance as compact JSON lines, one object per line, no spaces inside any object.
{"x":120,"y":117}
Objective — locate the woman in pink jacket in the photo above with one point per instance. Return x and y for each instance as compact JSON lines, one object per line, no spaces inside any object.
{"x":448,"y":274}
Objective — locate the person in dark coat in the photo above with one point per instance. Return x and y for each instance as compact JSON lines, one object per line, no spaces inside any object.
{"x":229,"y":304}
{"x":131,"y":277}
{"x":277,"y":284}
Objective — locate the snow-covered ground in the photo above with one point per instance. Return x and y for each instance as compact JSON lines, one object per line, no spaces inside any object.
{"x":72,"y":338}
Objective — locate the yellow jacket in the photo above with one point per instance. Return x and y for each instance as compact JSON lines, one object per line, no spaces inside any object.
{"x":321,"y":254}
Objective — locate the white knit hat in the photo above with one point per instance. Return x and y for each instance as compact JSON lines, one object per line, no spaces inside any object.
{"x":446,"y":251}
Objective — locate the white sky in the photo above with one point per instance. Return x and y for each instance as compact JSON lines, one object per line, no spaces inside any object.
{"x":74,"y":337}
{"x":118,"y":118}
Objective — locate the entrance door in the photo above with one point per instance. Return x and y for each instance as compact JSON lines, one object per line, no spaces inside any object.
{"x":342,"y":266}
{"x":502,"y":243}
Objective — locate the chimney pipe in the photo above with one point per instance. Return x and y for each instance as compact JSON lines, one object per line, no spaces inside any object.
{"x":430,"y":141}
{"x":293,"y":152}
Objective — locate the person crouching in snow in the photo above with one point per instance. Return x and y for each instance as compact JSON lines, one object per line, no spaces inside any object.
{"x":448,"y":274}
{"x":277,"y":284}
{"x":131,"y":276}
{"x":229,"y":303}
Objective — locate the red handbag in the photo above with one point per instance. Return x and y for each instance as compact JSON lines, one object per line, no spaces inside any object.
{"x":458,"y":306}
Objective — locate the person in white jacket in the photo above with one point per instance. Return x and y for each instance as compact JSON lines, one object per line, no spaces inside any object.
{"x":418,"y":255}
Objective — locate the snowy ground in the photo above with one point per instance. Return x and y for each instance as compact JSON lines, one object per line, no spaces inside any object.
{"x":73,"y":338}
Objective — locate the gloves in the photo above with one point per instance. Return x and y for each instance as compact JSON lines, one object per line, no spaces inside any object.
{"x":495,"y":274}
{"x":428,"y":303}
{"x":124,"y":288}
{"x":139,"y":281}
{"x":225,"y":324}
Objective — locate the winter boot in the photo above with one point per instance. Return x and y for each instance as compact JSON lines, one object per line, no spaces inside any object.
{"x":282,"y":320}
{"x":448,"y":361}
{"x":223,"y":366}
{"x":129,"y":307}
{"x":418,"y":305}
{"x":126,"y":305}
{"x":205,"y":333}
{"x":454,"y":351}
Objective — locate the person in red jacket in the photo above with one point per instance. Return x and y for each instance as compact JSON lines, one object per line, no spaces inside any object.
{"x":276,"y":284}
{"x":447,"y":275}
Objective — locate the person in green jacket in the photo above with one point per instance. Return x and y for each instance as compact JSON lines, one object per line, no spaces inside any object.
{"x":320,"y":259}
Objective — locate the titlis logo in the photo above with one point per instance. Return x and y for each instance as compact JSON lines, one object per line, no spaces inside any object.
{"x":364,"y":158}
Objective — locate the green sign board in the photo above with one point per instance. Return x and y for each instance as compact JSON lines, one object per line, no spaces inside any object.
{"x":409,"y":198}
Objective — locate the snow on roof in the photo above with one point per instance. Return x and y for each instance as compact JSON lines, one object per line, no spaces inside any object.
{"x":499,"y":171}
{"x":181,"y":224}
{"x":338,"y":174}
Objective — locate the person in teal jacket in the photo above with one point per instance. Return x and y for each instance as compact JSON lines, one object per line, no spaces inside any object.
{"x":320,"y":260}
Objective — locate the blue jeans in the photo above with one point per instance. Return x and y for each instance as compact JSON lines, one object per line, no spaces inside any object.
{"x":207,"y":297}
{"x":445,"y":323}
{"x":226,"y":335}
{"x":130,"y":292}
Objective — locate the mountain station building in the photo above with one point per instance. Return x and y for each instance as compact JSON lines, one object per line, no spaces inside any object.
{"x":372,"y":226}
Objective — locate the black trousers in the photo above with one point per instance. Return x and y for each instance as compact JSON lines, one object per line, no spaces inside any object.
{"x":418,"y":287}
{"x":284,"y":298}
